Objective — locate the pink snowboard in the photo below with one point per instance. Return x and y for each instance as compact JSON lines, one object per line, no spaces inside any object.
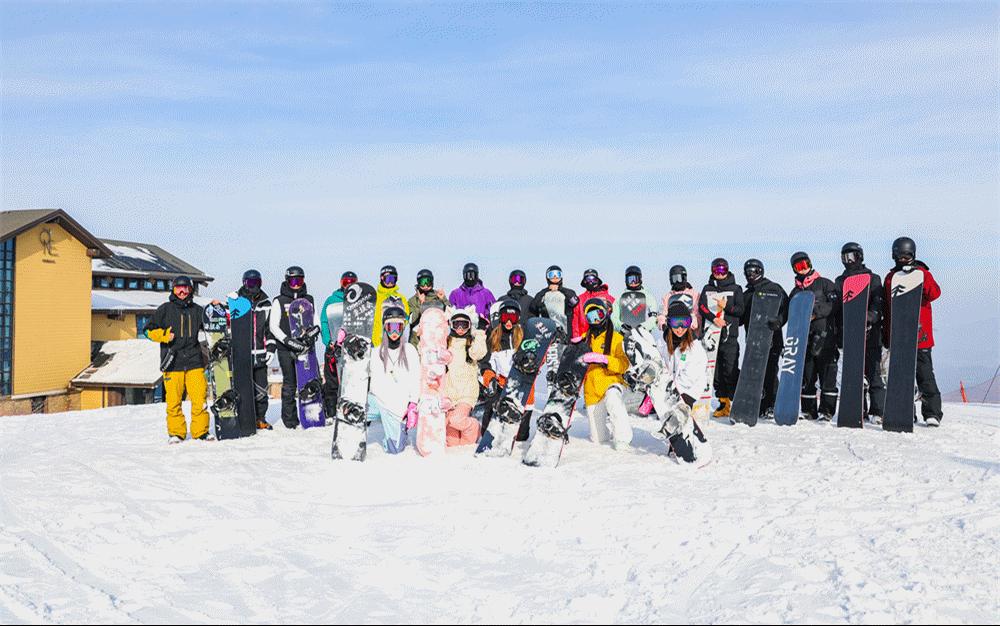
{"x":434,"y":359}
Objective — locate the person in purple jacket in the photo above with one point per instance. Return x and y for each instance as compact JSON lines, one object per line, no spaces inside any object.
{"x":473,"y":292}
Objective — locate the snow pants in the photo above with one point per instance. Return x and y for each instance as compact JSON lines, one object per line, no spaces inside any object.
{"x":609,"y":419}
{"x":461,"y":429}
{"x":289,"y":388}
{"x":175,"y":384}
{"x":331,"y":382}
{"x":820,"y":368}
{"x":261,"y":395}
{"x":393,"y":426}
{"x":873,"y":372}
{"x":930,"y":402}
{"x":727,"y":366}
{"x":771,"y":374}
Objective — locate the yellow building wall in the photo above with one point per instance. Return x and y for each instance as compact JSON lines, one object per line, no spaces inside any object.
{"x":102,"y":328}
{"x":51,"y":311}
{"x":91,"y":399}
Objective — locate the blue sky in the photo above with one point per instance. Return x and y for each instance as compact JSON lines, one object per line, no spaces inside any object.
{"x":338,"y":136}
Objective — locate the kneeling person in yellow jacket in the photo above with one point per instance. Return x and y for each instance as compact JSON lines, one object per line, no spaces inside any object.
{"x":177,"y":327}
{"x":604,"y":387}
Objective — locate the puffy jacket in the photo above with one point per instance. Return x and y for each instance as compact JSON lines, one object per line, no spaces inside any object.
{"x":931,"y":292}
{"x":687,"y":369}
{"x":691,"y":296}
{"x":580,"y":325}
{"x":477,"y":295}
{"x":337,"y":297}
{"x":537,"y":307}
{"x":416,"y":308}
{"x":462,"y":382}
{"x":733,"y":311}
{"x":764,"y":284}
{"x":599,"y":378}
{"x":650,"y":322}
{"x":185,"y":320}
{"x":278,"y":315}
{"x":382,"y":294}
{"x":826,"y":307}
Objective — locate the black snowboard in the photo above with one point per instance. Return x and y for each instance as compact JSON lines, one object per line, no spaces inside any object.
{"x":550,"y":438}
{"x":241,"y":334}
{"x":854,"y":311}
{"x":633,"y":307}
{"x":904,"y":324}
{"x":750,"y":387}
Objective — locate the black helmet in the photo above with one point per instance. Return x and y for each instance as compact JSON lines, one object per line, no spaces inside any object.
{"x":799,"y":257}
{"x":553,"y":268}
{"x":633,"y":270}
{"x":852,"y":254}
{"x":509,"y":304}
{"x":249,"y":274}
{"x":590,"y":279}
{"x":348,"y":274}
{"x":753,"y":269}
{"x":182,"y":281}
{"x":719,"y":261}
{"x":252,"y":281}
{"x":388,"y":270}
{"x":295,"y":272}
{"x":678,"y":276}
{"x":517,"y":274}
{"x":425,"y":273}
{"x":470,"y":274}
{"x":904,"y":247}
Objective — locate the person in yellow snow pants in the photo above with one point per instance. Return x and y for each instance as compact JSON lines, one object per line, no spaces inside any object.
{"x":175,"y":384}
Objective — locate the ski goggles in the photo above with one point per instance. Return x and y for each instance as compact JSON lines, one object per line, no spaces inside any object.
{"x":460,"y":324}
{"x":633,"y":279}
{"x":182,"y":291}
{"x":394,"y":327}
{"x":850,"y":258}
{"x":596,"y":315}
{"x":296,"y":282}
{"x":554,"y":275}
{"x":677,"y":278}
{"x":252,"y":283}
{"x":389,"y":280}
{"x":510,"y":316}
{"x":802,"y":266}
{"x":470,"y":276}
{"x":591,"y":281}
{"x":425,"y":281}
{"x":518,"y":280}
{"x":347,"y":282}
{"x":720,"y":270}
{"x":679,"y":321}
{"x":753,"y":272}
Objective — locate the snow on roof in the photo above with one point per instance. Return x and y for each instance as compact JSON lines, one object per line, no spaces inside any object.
{"x":133,"y":362}
{"x":144,"y":259}
{"x":132,"y":301}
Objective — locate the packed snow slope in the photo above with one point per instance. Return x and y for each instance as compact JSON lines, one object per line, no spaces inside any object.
{"x":101,"y":521}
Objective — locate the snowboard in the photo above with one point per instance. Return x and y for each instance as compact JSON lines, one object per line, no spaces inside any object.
{"x":633,"y":308}
{"x":793,"y":357}
{"x":555,"y":307}
{"x":308,"y":383}
{"x":711,"y":335}
{"x":764,"y":305}
{"x":854,"y":314}
{"x":553,"y":423}
{"x":434,"y":357}
{"x":350,"y":428}
{"x":241,"y":361}
{"x":906,"y":292}
{"x":220,"y":376}
{"x":334,"y":318}
{"x":508,"y":409}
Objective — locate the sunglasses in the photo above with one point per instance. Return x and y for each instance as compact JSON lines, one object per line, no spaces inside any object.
{"x":511,"y":317}
{"x":553,"y":275}
{"x":802,"y":266}
{"x":679,"y":322}
{"x":596,"y":315}
{"x":424,"y":281}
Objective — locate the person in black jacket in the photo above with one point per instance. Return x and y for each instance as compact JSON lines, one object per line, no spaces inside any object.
{"x":289,"y":347}
{"x":852,"y":255}
{"x":177,"y":326}
{"x":821,"y":351}
{"x":728,"y":296}
{"x":753,"y":271}
{"x":262,"y":348}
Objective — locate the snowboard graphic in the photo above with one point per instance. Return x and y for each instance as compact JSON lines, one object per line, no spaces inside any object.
{"x":350,"y":429}
{"x":854,"y":312}
{"x":498,"y":440}
{"x":241,"y":320}
{"x":906,"y":291}
{"x":711,"y":335}
{"x":434,"y":358}
{"x":793,"y":358}
{"x":550,"y":438}
{"x":220,"y":376}
{"x":633,"y":308}
{"x":555,"y":306}
{"x":746,"y":401}
{"x":309,"y":395}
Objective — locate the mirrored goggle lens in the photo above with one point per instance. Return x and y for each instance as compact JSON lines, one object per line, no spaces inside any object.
{"x":182,"y":289}
{"x":802,"y":266}
{"x":252,"y":283}
{"x":633,"y":279}
{"x":720,"y":269}
{"x":596,"y":315}
{"x":676,"y":278}
{"x":511,"y":317}
{"x":425,"y":281}
{"x":347,"y":282}
{"x":394,"y":327}
{"x":296,"y":281}
{"x":517,"y":279}
{"x":461,"y":324}
{"x":754,"y":271}
{"x":849,"y":257}
{"x":554,"y":275}
{"x":470,"y":275}
{"x":679,"y":322}
{"x":389,"y":280}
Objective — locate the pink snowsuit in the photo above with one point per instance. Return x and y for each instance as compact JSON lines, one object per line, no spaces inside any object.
{"x":661,"y":319}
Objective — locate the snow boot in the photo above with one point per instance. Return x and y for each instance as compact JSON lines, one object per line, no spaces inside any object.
{"x":724,"y":405}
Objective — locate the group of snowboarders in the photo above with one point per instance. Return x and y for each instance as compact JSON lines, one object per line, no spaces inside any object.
{"x":491,"y":341}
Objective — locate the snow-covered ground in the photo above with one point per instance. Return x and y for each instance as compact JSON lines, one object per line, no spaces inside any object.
{"x":100,"y":520}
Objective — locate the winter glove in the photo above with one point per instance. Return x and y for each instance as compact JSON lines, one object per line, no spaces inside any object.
{"x":341,"y":335}
{"x":161,"y":335}
{"x":295,"y":345}
{"x":646,"y":407}
{"x":491,"y":389}
{"x":560,"y":335}
{"x":411,"y":415}
{"x":261,"y":359}
{"x":774,"y":324}
{"x":595,"y":358}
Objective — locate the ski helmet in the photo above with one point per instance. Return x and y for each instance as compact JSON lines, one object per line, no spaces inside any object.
{"x":509,"y":310}
{"x":517,"y":279}
{"x":904,"y":248}
{"x":393,"y":322}
{"x":460,"y":319}
{"x":633,"y":275}
{"x":753,"y":270}
{"x":347,"y":279}
{"x":388,"y":275}
{"x":678,"y":277}
{"x":801,"y":262}
{"x":183,"y":281}
{"x":596,"y":310}
{"x":553,"y":275}
{"x":470,"y":274}
{"x":678,"y":315}
{"x":720,"y":266}
{"x":295,"y":276}
{"x":852,"y":254}
{"x":425,"y":278}
{"x":252,"y":281}
{"x":591,"y":280}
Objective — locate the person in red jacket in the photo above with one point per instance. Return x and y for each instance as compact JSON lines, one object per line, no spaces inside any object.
{"x":904,"y":253}
{"x":594,"y":287}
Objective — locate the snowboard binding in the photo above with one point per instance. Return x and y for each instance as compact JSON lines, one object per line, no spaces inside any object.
{"x":550,"y":425}
{"x":351,"y":412}
{"x":220,"y":350}
{"x":526,"y":358}
{"x":567,"y":383}
{"x":311,"y":392}
{"x":508,"y":412}
{"x":225,"y":402}
{"x":356,"y":347}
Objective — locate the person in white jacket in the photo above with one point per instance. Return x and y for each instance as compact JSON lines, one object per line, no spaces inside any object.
{"x":394,"y":389}
{"x":679,"y":385}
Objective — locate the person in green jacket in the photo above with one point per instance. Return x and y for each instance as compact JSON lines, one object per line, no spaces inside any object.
{"x":425,"y":296}
{"x":333,"y":307}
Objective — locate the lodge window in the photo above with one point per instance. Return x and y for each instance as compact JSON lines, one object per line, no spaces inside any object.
{"x":119,"y":283}
{"x":102,"y":282}
{"x":6,"y":315}
{"x":133,"y":283}
{"x":147,"y":285}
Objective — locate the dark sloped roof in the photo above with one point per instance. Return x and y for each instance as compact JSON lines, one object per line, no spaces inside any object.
{"x":129,"y":257}
{"x":13,"y":223}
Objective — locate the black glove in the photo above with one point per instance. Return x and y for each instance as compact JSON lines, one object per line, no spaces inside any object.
{"x":309,"y":337}
{"x":295,"y":345}
{"x":560,"y":335}
{"x":491,"y":389}
{"x":261,"y":359}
